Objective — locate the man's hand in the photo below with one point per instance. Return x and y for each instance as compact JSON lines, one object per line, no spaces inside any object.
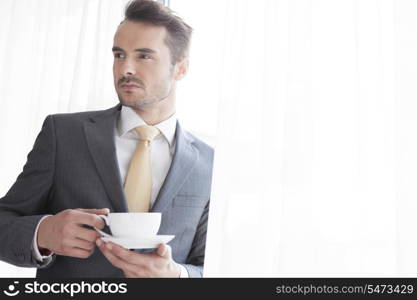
{"x":64,"y":234}
{"x":133,"y":264}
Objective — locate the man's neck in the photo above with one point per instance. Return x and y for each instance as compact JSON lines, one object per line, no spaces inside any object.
{"x":153,"y":116}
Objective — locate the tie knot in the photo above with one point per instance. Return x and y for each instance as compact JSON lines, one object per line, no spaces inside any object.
{"x":146,"y":132}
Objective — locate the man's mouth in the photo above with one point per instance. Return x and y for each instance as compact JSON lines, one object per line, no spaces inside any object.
{"x":129,"y":86}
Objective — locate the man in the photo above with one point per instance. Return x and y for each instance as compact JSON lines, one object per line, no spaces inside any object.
{"x":85,"y":164}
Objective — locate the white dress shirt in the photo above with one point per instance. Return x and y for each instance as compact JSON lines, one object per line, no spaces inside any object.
{"x":126,"y":139}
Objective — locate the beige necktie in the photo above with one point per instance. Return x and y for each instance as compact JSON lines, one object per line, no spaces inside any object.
{"x":138,"y":183}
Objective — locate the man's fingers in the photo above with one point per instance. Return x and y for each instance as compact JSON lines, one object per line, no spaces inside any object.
{"x":161,"y":250}
{"x":82,"y":244}
{"x":79,"y":253}
{"x":87,"y":234}
{"x":164,"y":251}
{"x":114,"y":260}
{"x":101,"y":211}
{"x":126,"y":255}
{"x":97,"y":211}
{"x":83,"y":216}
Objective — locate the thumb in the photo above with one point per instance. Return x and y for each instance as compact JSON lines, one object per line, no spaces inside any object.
{"x":96,"y":211}
{"x":164,"y":251}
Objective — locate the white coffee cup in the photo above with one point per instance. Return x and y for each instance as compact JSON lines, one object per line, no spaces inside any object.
{"x":133,"y":224}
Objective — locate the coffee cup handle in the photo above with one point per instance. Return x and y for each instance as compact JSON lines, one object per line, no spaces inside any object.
{"x":105,"y":219}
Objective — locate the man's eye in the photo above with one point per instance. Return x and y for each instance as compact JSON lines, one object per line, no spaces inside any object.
{"x":144,"y":56}
{"x":118,"y":55}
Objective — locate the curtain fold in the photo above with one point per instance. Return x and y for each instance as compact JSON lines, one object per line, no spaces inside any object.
{"x":55,"y":57}
{"x":315,"y":164}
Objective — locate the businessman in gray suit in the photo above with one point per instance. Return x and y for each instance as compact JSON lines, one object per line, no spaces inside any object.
{"x":78,"y":165}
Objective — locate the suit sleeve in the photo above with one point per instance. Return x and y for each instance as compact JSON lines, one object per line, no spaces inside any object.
{"x":25,"y":203}
{"x":195,"y":260}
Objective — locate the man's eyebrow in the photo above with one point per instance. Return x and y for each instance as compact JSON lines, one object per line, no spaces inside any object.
{"x":143,"y":50}
{"x":115,"y":48}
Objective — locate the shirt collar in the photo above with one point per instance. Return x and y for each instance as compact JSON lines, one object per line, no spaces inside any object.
{"x":129,"y":120}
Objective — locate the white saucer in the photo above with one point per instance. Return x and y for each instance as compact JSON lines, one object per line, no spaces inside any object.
{"x":140,"y":242}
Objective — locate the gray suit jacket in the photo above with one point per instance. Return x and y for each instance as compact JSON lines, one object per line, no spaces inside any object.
{"x":73,"y":165}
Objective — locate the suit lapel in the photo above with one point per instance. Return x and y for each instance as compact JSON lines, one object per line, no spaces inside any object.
{"x":183,"y":162}
{"x":99,"y":132}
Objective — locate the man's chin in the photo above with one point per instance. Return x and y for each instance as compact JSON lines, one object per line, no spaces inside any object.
{"x":130,"y":102}
{"x":137,"y":103}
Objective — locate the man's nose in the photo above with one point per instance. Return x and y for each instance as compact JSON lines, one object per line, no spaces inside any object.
{"x":128,"y":68}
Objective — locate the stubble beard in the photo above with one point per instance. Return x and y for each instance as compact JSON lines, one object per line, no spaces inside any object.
{"x":161,"y":93}
{"x":136,"y":103}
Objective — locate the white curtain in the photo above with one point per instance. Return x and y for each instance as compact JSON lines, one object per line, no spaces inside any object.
{"x":55,"y":56}
{"x":316,"y":148}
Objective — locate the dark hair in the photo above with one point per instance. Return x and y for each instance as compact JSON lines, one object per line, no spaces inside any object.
{"x":152,"y":12}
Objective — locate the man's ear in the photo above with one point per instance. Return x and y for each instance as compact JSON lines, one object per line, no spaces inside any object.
{"x":181,"y":68}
